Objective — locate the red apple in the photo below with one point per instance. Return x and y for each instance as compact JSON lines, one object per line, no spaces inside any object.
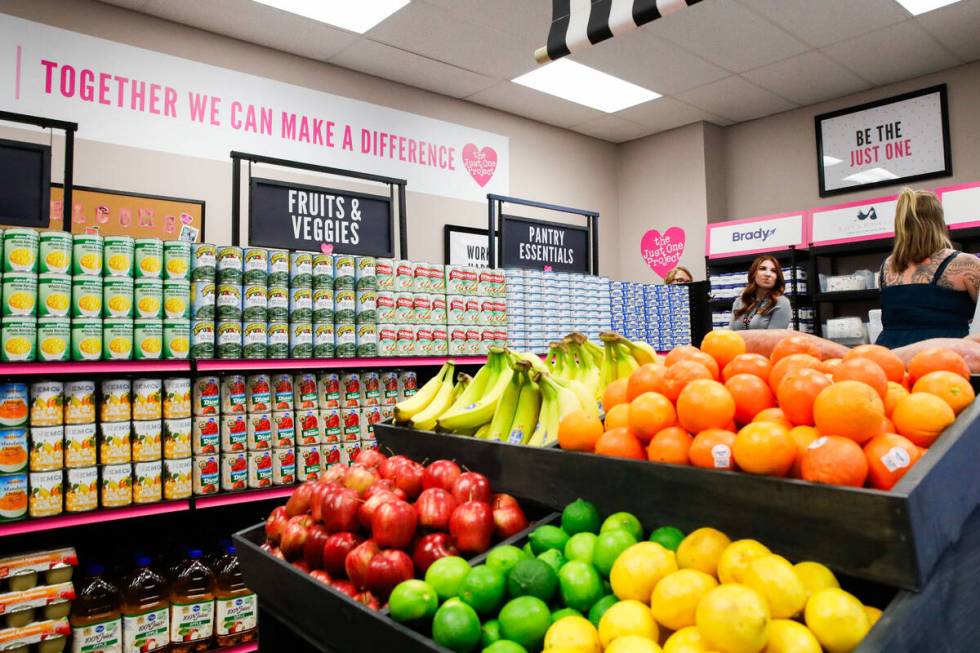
{"x":386,"y":570}
{"x":339,"y":511}
{"x":335,"y":551}
{"x":334,"y":473}
{"x":393,"y":524}
{"x":370,"y":458}
{"x":366,"y":511}
{"x":471,"y":486}
{"x":275,"y":523}
{"x":508,"y":520}
{"x":302,"y":566}
{"x":313,"y":548}
{"x":430,"y":548}
{"x":435,"y":506}
{"x":378,"y":485}
{"x":344,"y":587}
{"x":388,"y":467}
{"x":360,"y":478}
{"x":321,"y":576}
{"x":294,"y":536}
{"x":357,"y":561}
{"x":408,"y":477}
{"x":441,"y":474}
{"x":368,"y":600}
{"x":320,"y":490}
{"x":472,"y":527}
{"x":503,"y":500}
{"x":299,"y":500}
{"x":276,"y":552}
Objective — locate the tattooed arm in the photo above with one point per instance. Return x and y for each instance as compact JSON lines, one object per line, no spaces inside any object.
{"x":922,"y":272}
{"x":963,"y":273}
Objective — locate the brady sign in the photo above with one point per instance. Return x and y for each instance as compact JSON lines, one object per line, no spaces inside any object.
{"x":756,"y":235}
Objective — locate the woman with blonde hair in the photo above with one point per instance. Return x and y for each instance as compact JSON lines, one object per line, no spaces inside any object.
{"x":928,"y":289}
{"x":680,"y":274}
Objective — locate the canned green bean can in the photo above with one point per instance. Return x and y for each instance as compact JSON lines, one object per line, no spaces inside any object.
{"x":300,"y":340}
{"x":343,"y":272}
{"x":148,"y":258}
{"x":344,"y":306}
{"x":277,"y":337}
{"x":323,"y":340}
{"x":256,"y":266}
{"x":86,"y":255}
{"x":387,"y":339}
{"x":20,"y":250}
{"x":366,"y":307}
{"x":202,"y":339}
{"x":322,"y":271}
{"x":147,"y":339}
{"x":278,"y":267}
{"x":300,"y":304}
{"x":228,"y":340}
{"x":117,"y":297}
{"x":86,"y":339}
{"x":177,"y":260}
{"x":202,"y":300}
{"x":86,"y":296}
{"x":204,"y":258}
{"x":229,"y":264}
{"x":53,"y":294}
{"x":323,"y":305}
{"x":300,"y":270}
{"x":53,"y":339}
{"x":177,"y":299}
{"x":278,"y":303}
{"x":18,"y":336}
{"x":229,"y":302}
{"x":367,"y":340}
{"x":255,"y":340}
{"x":255,"y":302}
{"x":148,"y":299}
{"x":117,"y":257}
{"x":366,"y":273}
{"x":176,"y":339}
{"x":117,"y":339}
{"x":54,"y":252}
{"x":345,"y":341}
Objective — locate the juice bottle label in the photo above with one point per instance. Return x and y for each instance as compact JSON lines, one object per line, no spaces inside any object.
{"x":104,"y":637}
{"x":235,"y":615}
{"x":190,"y":622}
{"x":146,"y":632}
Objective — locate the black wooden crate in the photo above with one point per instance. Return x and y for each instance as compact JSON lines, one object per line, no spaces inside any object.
{"x":894,"y":537}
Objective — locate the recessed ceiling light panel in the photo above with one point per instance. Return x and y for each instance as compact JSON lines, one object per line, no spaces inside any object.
{"x":352,"y":15}
{"x":916,"y":7}
{"x":587,"y":86}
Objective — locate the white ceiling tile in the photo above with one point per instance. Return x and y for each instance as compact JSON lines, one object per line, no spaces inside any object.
{"x":728,"y":35}
{"x":667,"y":113}
{"x":892,"y":54}
{"x":613,"y":129}
{"x":807,"y":79}
{"x":736,"y":99}
{"x":957,"y":27}
{"x":822,"y":22}
{"x":651,"y":62}
{"x":412,"y":69}
{"x":524,"y":101}
{"x":528,"y":19}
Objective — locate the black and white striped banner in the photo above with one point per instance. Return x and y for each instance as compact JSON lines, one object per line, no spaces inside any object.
{"x":579,"y":24}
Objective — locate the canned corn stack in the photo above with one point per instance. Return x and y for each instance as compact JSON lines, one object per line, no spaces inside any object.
{"x":54,"y":252}
{"x":117,"y":257}
{"x":177,"y":260}
{"x":148,"y":258}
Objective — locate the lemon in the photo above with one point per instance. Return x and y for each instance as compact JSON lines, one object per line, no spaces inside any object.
{"x":701,"y":550}
{"x":675,"y":598}
{"x":573,"y":632}
{"x":787,"y":636}
{"x":874,"y":614}
{"x":627,"y":618}
{"x":686,"y":640}
{"x":733,"y":619}
{"x":639,"y":568}
{"x":633,"y":644}
{"x":736,"y":558}
{"x":815,"y":577}
{"x":837,"y":619}
{"x":773,"y":577}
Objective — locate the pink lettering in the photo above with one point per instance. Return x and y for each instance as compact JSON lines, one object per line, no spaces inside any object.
{"x":348,"y":139}
{"x":170,"y":102}
{"x":431,"y":153}
{"x":266,"y":121}
{"x":137,"y":100}
{"x":214,"y":111}
{"x":198,"y":105}
{"x":317,"y":131}
{"x":86,"y":83}
{"x":401,"y":148}
{"x":122,"y":88}
{"x":104,"y":88}
{"x":289,"y":126}
{"x":250,"y":124}
{"x":443,"y":153}
{"x":236,"y":106}
{"x":154,"y":99}
{"x":49,"y":67}
{"x":304,"y":129}
{"x":330,"y":126}
{"x":452,"y":158}
{"x":365,"y":141}
{"x":67,"y":81}
{"x":411,"y":151}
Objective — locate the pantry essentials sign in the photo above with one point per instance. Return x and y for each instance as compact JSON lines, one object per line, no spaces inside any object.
{"x":537,"y":245}
{"x":899,"y":139}
{"x":130,"y":96}
{"x":757,"y":235}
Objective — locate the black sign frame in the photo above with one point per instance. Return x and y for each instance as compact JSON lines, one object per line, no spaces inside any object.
{"x":505,"y":219}
{"x":41,"y":215}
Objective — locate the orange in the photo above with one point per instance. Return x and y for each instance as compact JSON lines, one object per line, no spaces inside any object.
{"x":890,"y":363}
{"x":615,"y":393}
{"x":798,"y":344}
{"x":922,"y":417}
{"x":830,"y":364}
{"x":797,"y":392}
{"x":579,"y":431}
{"x":802,"y":436}
{"x":764,"y":448}
{"x":646,"y":378}
{"x":704,"y":404}
{"x":677,"y":354}
{"x":895,"y":392}
{"x":620,"y":443}
{"x":948,"y":386}
{"x":649,"y":413}
{"x":713,"y":449}
{"x":888,"y":426}
{"x":864,"y":370}
{"x":748,"y":364}
{"x":681,"y":373}
{"x":851,"y":409}
{"x":890,"y":456}
{"x":775,"y":415}
{"x":618,"y":416}
{"x":670,"y":446}
{"x":792,"y":363}
{"x":723,"y":345}
{"x":937,"y":358}
{"x":834,"y":460}
{"x":751,"y":395}
{"x":710,"y":363}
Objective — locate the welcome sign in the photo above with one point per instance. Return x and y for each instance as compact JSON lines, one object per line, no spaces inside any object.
{"x":139,"y":98}
{"x":756,"y":235}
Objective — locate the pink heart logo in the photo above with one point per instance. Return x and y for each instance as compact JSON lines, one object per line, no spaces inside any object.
{"x":548,"y":268}
{"x":480,"y":163}
{"x":326,"y":248}
{"x":662,"y":252}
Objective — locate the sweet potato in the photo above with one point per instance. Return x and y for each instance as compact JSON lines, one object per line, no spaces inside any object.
{"x":968,"y":348}
{"x":762,"y":342}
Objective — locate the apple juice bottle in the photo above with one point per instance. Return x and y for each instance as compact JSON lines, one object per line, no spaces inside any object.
{"x":191,"y":606}
{"x":145,"y":610}
{"x":236,"y":606}
{"x":94,"y":619}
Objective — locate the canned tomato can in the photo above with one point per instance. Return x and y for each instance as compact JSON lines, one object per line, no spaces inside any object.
{"x":147,"y":339}
{"x":330,"y":454}
{"x":387,"y":340}
{"x":176,"y":260}
{"x":387,"y":412}
{"x":385,"y":303}
{"x":323,"y":305}
{"x":278,"y":268}
{"x":328,"y":390}
{"x":53,"y":339}
{"x":300,"y":270}
{"x":229,"y":265}
{"x":277,"y":337}
{"x":277,"y":303}
{"x":323,"y":340}
{"x":305,"y":391}
{"x":202,"y":339}
{"x":54,"y":295}
{"x":234,"y":433}
{"x":147,"y":482}
{"x":370,"y":416}
{"x":255,"y":340}
{"x":284,"y":466}
{"x":207,"y":474}
{"x":256,"y":266}
{"x":176,"y":339}
{"x":148,"y":258}
{"x":309,"y":430}
{"x":345,"y":339}
{"x":259,"y":431}
{"x":116,"y":404}
{"x":370,"y":389}
{"x":114,"y":443}
{"x":282,"y":388}
{"x":203,"y":262}
{"x":308,"y":462}
{"x":176,"y":299}
{"x":405,"y":340}
{"x":366,"y":273}
{"x":117,"y":297}
{"x":332,"y":428}
{"x":258,"y":393}
{"x":202,"y":300}
{"x":233,"y":394}
{"x":116,"y":485}
{"x":148,"y":298}
{"x":177,"y":438}
{"x":80,"y":445}
{"x":228,"y":302}
{"x":350,"y":451}
{"x":367,"y":340}
{"x":205,"y":435}
{"x":79,"y":400}
{"x":300,"y":340}
{"x":54,"y":252}
{"x":234,"y":471}
{"x":228,"y":340}
{"x":322,"y":272}
{"x":177,"y":478}
{"x":260,"y":469}
{"x":389,"y":388}
{"x":86,"y":296}
{"x":147,"y":399}
{"x":147,"y":440}
{"x":86,"y":255}
{"x":47,"y":448}
{"x":350,"y":419}
{"x":176,"y":397}
{"x":47,"y":403}
{"x":284,"y":429}
{"x":344,"y":272}
{"x":206,"y":396}
{"x":255,"y":301}
{"x":408,"y":384}
{"x":350,"y":390}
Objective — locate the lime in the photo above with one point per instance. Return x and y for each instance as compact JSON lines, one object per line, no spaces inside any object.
{"x":547,"y":537}
{"x":608,"y":546}
{"x":625,"y":521}
{"x":525,"y":620}
{"x":532,"y":578}
{"x":412,"y":600}
{"x":483,"y":589}
{"x":505,"y":646}
{"x":580,"y":516}
{"x":528,"y":550}
{"x":491,"y":633}
{"x":456,"y":626}
{"x":580,"y":585}
{"x":504,"y":557}
{"x":600,"y":607}
{"x":554,"y":558}
{"x":445,"y":575}
{"x":564,"y":612}
{"x":581,"y":546}
{"x":668,"y":537}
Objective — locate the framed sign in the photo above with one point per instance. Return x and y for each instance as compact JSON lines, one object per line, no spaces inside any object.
{"x":465,"y":246}
{"x":892,"y":141}
{"x":757,"y":235}
{"x":121,"y":213}
{"x":294,"y":216}
{"x":853,"y":221}
{"x":538,"y":244}
{"x":961,"y":205}
{"x":25,"y":175}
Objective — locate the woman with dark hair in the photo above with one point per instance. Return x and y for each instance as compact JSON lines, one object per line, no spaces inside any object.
{"x":762,"y":304}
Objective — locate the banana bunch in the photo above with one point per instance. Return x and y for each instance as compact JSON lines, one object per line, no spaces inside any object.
{"x":621,"y":357}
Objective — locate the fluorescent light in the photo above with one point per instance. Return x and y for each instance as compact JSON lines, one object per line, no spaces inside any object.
{"x":583,"y":85}
{"x":871,"y":176}
{"x":352,"y":15}
{"x":830,"y":161}
{"x":916,"y":7}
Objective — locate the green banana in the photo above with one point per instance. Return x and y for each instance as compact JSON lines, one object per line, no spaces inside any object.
{"x":415,"y":404}
{"x":425,"y":420}
{"x":526,"y":415}
{"x":476,"y":388}
{"x":625,"y":363}
{"x":481,"y":410}
{"x":482,"y":432}
{"x":503,"y":417}
{"x":547,"y":420}
{"x":641,"y":351}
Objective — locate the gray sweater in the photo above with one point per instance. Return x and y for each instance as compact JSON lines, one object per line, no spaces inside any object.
{"x":779,"y":318}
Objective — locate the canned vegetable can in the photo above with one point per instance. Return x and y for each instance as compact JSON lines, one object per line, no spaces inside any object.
{"x":228,"y":340}
{"x":54,"y":252}
{"x":385,"y":271}
{"x":19,"y":294}
{"x":256,"y":266}
{"x":20,"y":250}
{"x":148,"y":298}
{"x":202,"y":339}
{"x":387,"y":340}
{"x":345,"y":338}
{"x":53,"y":339}
{"x":86,"y":339}
{"x":176,"y":299}
{"x":86,"y":296}
{"x":300,"y":304}
{"x":177,"y":260}
{"x":278,"y":268}
{"x":300,"y":340}
{"x":343,"y":272}
{"x":54,"y":293}
{"x":148,"y":339}
{"x":176,"y":339}
{"x":323,"y":305}
{"x":148,"y":258}
{"x":229,"y":302}
{"x":300,"y":270}
{"x":366,"y":307}
{"x":323,"y":340}
{"x":118,"y":256}
{"x":117,"y":297}
{"x":255,"y":303}
{"x":277,"y":338}
{"x":278,"y":303}
{"x":87,"y":254}
{"x":202,"y":300}
{"x":322,"y":272}
{"x":203,"y":262}
{"x":365,"y":274}
{"x":117,"y":339}
{"x":367,"y":341}
{"x":229,"y":265}
{"x":344,"y":306}
{"x":255,"y":340}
